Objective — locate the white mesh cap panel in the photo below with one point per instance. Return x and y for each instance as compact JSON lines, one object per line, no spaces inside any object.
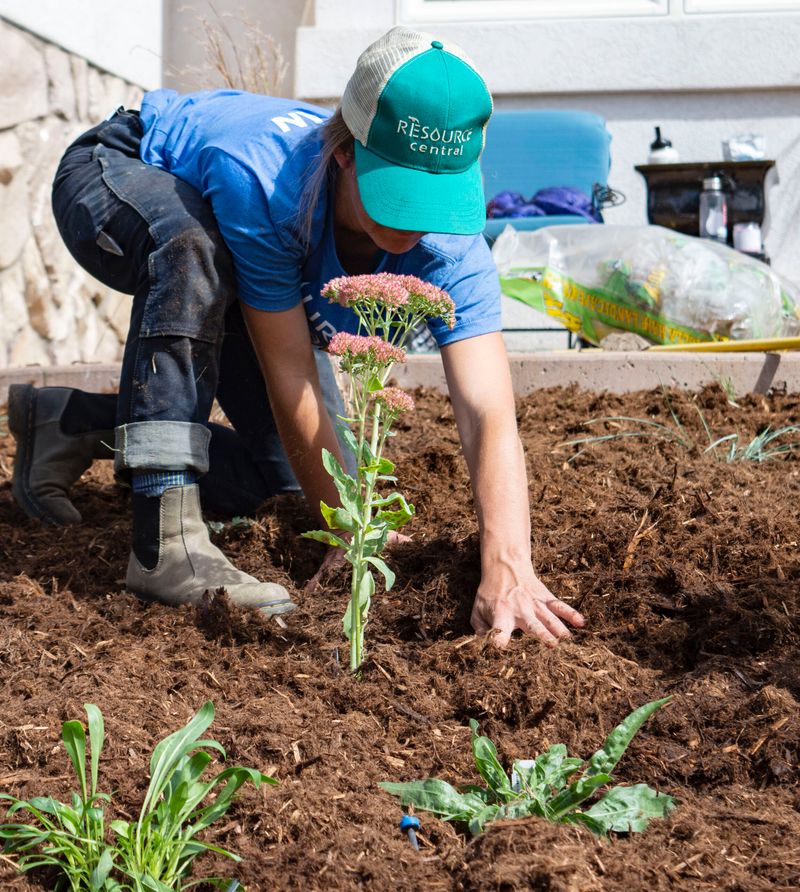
{"x":375,"y":66}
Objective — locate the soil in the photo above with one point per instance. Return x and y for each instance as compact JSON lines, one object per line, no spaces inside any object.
{"x":687,"y":567}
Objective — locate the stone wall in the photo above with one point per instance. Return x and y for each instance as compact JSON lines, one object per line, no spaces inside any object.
{"x":50,"y":310}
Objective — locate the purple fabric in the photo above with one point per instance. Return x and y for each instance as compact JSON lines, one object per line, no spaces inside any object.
{"x":552,"y":201}
{"x":511,"y":204}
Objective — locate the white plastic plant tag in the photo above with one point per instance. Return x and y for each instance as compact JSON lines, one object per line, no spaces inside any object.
{"x":515,"y":780}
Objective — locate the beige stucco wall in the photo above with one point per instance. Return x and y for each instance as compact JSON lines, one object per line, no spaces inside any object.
{"x":50,"y":310}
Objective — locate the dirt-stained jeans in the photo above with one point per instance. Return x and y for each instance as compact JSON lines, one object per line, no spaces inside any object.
{"x":145,"y":232}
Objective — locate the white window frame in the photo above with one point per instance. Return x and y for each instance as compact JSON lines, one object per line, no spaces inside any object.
{"x":499,"y":10}
{"x":699,"y":7}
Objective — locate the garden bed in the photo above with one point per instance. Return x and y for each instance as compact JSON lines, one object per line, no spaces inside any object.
{"x":687,"y":568}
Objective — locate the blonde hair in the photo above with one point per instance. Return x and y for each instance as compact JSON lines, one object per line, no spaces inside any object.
{"x":335,"y":136}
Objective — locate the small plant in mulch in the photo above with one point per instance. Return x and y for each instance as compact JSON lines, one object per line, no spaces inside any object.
{"x":766,"y":445}
{"x":552,"y":786}
{"x":389,"y":307}
{"x":155,"y":852}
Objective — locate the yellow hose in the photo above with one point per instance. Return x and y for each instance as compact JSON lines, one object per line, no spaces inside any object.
{"x":768,"y":345}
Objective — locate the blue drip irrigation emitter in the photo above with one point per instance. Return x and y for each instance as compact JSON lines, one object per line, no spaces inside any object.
{"x":409,"y":824}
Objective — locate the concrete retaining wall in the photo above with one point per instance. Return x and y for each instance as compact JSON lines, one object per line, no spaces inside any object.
{"x":589,"y":370}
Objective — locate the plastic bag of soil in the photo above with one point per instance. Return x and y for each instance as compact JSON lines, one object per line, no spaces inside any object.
{"x":665,"y":286}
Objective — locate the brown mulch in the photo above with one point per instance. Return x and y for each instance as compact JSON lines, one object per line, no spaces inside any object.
{"x":687,"y":567}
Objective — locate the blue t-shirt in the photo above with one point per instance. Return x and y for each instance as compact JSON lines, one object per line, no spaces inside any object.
{"x":250,"y":156}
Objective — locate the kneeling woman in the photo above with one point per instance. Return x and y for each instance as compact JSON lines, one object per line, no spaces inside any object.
{"x":224,"y":213}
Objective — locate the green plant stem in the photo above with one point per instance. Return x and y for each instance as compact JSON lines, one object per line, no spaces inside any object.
{"x":367,"y":482}
{"x":360,"y":399}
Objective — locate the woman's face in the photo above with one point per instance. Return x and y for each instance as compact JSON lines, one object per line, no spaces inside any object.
{"x":395,"y":241}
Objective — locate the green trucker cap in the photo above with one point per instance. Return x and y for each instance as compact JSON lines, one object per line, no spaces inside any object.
{"x":418,"y":110}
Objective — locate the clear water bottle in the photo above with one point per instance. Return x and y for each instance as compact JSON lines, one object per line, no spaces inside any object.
{"x":713,"y":210}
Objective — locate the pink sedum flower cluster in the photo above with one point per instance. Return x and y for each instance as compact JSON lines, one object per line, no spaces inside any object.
{"x":407,"y":293}
{"x":382,"y":288}
{"x":370,"y":349}
{"x":430,"y":300}
{"x":394,"y":399}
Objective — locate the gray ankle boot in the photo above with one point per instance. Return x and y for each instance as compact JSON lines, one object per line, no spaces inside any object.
{"x":186,"y":563}
{"x":48,"y":461}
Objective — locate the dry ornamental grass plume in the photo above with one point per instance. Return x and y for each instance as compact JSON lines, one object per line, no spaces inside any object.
{"x":253,"y":61}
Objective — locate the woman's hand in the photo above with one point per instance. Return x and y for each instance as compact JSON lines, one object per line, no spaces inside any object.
{"x":509,"y":596}
{"x":506,"y":602}
{"x":334,"y":558}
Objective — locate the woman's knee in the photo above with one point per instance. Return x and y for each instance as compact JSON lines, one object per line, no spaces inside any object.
{"x":192,"y":284}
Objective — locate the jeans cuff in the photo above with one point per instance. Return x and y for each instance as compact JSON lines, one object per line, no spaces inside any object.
{"x":162,"y":446}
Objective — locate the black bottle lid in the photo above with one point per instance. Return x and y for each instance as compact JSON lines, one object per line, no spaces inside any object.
{"x":660,"y":142}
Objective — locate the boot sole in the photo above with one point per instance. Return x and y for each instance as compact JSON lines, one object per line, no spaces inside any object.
{"x":268,"y":608}
{"x":21,"y":418}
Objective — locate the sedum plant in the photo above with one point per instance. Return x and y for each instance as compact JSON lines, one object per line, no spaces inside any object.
{"x":552,"y":786}
{"x":389,"y":307}
{"x":155,"y":852}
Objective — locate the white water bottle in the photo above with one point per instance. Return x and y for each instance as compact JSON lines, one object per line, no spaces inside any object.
{"x":662,"y":151}
{"x":713,"y":211}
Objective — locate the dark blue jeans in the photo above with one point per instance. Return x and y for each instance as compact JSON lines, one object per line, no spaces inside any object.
{"x":143,"y":231}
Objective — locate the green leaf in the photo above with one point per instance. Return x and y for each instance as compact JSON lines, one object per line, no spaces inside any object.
{"x":381,"y":566}
{"x":96,"y":740}
{"x":436,"y":796}
{"x":368,"y":458}
{"x":349,"y":438}
{"x":45,"y":805}
{"x":391,"y":499}
{"x":479,"y":821}
{"x":579,"y":817}
{"x":233,"y":779}
{"x":121,"y":828}
{"x":385,"y":466}
{"x":169,"y":752}
{"x":326,"y":537}
{"x":375,"y":538}
{"x":151,"y":884}
{"x":630,"y":809}
{"x":366,"y":590}
{"x":397,"y":518}
{"x":519,"y":808}
{"x":99,"y":875}
{"x":485,"y":755}
{"x":394,"y":520}
{"x":337,"y":518}
{"x":374,"y":384}
{"x":547,"y":772}
{"x":345,"y":485}
{"x":482,"y":793}
{"x":74,"y":738}
{"x":577,"y":792}
{"x":606,"y":758}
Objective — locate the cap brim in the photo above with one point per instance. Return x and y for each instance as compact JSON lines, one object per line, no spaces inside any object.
{"x":419,"y":201}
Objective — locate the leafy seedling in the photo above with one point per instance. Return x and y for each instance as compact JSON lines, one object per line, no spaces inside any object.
{"x":154,"y":853}
{"x":552,"y":786}
{"x":762,"y":447}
